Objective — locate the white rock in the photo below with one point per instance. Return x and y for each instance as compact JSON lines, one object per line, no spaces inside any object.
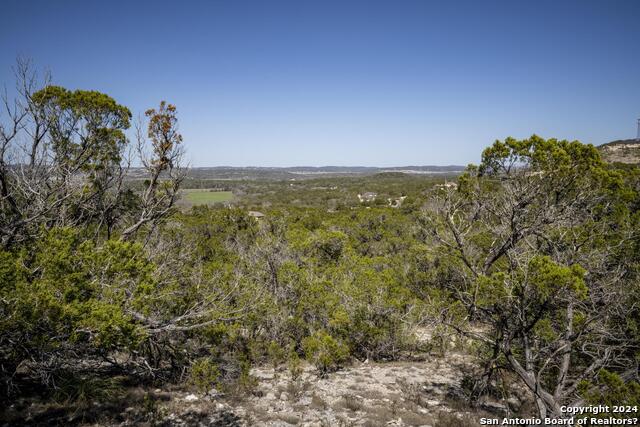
{"x":190,"y":398}
{"x":213,"y":393}
{"x":514,"y":402}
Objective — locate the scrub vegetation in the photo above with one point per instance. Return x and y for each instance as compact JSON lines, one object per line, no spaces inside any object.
{"x":530,"y":258}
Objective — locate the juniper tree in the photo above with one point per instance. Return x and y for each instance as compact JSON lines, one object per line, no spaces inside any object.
{"x":532,"y":258}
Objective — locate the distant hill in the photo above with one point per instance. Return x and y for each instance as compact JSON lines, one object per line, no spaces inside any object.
{"x":621,"y":151}
{"x":302,"y":172}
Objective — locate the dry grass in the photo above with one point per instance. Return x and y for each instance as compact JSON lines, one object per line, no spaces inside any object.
{"x":374,"y":423}
{"x":288,"y":418}
{"x":350,"y":402}
{"x":381,"y":413}
{"x":448,"y":419}
{"x":414,"y":393}
{"x":295,"y":389}
{"x":371,"y":394}
{"x":318,"y":403}
{"x":417,"y":419}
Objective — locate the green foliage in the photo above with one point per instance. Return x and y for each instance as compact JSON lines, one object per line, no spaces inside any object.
{"x":69,"y":297}
{"x":539,"y":154}
{"x":534,"y":250}
{"x":99,"y":119}
{"x":246,"y":383}
{"x":204,"y":374}
{"x":611,"y":390}
{"x":294,"y":365}
{"x":83,"y":390}
{"x":324,"y":351}
{"x":328,"y":245}
{"x":8,"y":270}
{"x":548,"y":278}
{"x":276,"y":353}
{"x":541,"y":282}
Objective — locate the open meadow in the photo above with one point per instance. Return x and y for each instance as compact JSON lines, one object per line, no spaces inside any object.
{"x":204,"y":196}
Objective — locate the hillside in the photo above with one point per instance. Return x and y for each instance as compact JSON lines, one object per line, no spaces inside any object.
{"x":301,"y":172}
{"x":621,"y":151}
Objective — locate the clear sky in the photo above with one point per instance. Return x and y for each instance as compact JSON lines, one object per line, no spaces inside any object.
{"x":282,"y":83}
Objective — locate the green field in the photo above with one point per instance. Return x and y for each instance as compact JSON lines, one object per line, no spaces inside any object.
{"x":205,"y":196}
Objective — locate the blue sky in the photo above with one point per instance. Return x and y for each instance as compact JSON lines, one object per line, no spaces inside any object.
{"x":282,"y":83}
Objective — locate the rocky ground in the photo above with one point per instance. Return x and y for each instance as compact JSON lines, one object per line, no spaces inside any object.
{"x":424,"y":393}
{"x":622,"y":151}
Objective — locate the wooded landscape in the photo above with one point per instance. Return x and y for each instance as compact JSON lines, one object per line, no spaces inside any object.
{"x":527,"y":263}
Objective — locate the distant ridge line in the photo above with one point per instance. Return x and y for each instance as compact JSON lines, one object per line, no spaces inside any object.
{"x":302,"y":172}
{"x":452,"y":168}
